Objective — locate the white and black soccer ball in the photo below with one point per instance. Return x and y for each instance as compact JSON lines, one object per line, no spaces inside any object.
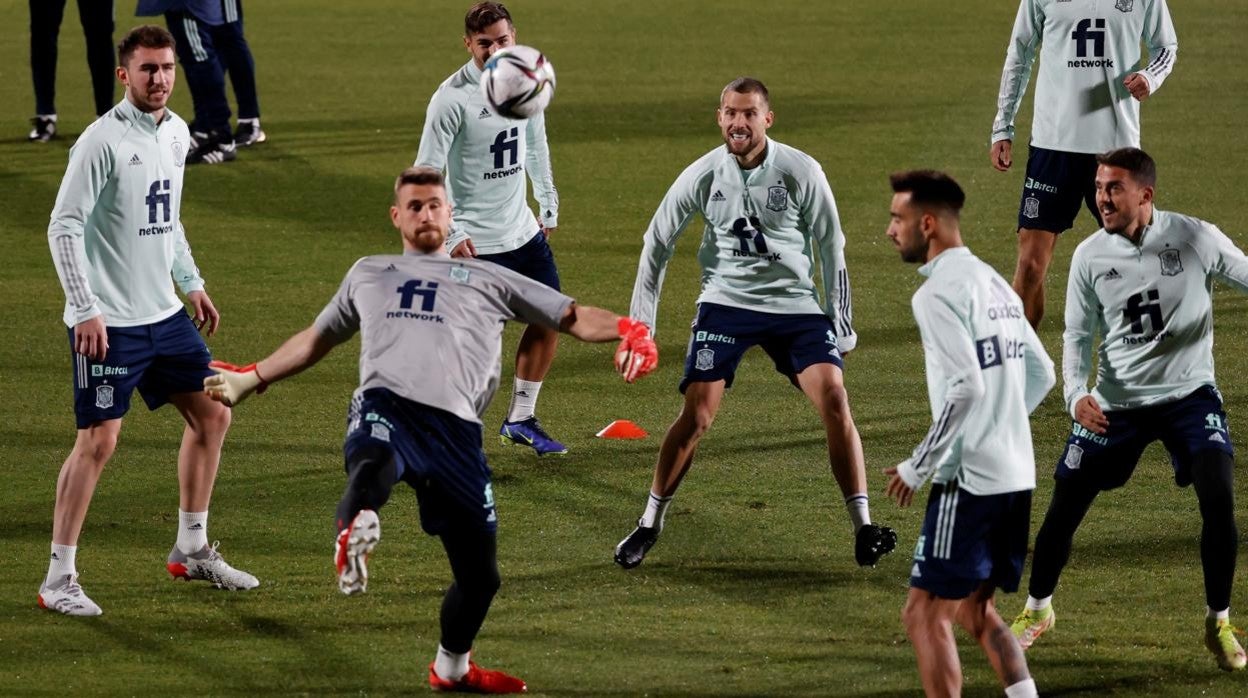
{"x":519,"y":82}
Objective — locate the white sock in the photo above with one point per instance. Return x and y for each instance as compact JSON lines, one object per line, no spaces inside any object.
{"x":61,"y":563}
{"x":1023,"y":689}
{"x":1034,"y":604}
{"x":656,"y":509}
{"x":192,"y":531}
{"x":254,"y":122}
{"x":1224,"y":614}
{"x":49,"y":117}
{"x":450,"y":665}
{"x":523,"y":400}
{"x":859,"y":513}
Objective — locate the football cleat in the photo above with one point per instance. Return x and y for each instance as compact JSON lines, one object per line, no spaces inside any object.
{"x":1029,"y":625}
{"x":44,"y":129}
{"x":351,"y":550}
{"x":68,"y":598}
{"x":249,"y":133}
{"x":873,"y":542}
{"x":211,"y":149}
{"x":1221,"y":641}
{"x":208,"y":565}
{"x":529,"y":432}
{"x":632,"y":550}
{"x":478,"y":680}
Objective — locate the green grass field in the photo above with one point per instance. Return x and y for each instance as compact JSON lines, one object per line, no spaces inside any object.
{"x":752,"y":589}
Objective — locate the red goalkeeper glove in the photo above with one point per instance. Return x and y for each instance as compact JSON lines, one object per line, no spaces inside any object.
{"x":637,"y":354}
{"x":232,"y":384}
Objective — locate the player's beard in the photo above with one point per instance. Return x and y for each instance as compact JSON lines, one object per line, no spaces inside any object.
{"x":914,"y":252}
{"x":428,"y":238}
{"x":744,"y":147}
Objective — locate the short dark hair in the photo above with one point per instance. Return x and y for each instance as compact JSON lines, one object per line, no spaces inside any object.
{"x":419,"y":175}
{"x":930,"y":189}
{"x":1141,"y":166}
{"x":482,"y":15}
{"x":147,"y":36}
{"x":745,"y":86}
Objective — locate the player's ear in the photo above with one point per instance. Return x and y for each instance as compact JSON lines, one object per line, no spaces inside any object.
{"x":394,"y":216}
{"x":770,"y":118}
{"x":1146,"y":195}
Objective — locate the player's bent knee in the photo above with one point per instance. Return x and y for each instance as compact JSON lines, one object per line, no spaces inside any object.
{"x":96,"y":444}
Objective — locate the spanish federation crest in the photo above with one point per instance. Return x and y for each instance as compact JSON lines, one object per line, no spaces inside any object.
{"x":179,"y":153}
{"x":1171,"y":263}
{"x":1124,"y":5}
{"x":1074,"y":456}
{"x":704,"y":360}
{"x":777,"y":198}
{"x":1031,"y":207}
{"x":104,"y":396}
{"x":380,"y":432}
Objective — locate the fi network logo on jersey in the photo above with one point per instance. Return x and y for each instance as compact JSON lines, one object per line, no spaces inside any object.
{"x":1090,"y":33}
{"x":506,"y":151}
{"x":408,"y":293}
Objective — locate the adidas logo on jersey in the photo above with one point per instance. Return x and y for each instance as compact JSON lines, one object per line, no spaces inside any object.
{"x":717,"y":196}
{"x":485,"y":113}
{"x":134,"y":159}
{"x":1112,"y":274}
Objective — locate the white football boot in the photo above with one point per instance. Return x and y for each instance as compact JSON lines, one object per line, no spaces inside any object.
{"x":208,"y":565}
{"x":68,"y":598}
{"x":351,"y":551}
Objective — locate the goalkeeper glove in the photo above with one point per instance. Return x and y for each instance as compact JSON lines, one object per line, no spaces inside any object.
{"x":232,"y":384}
{"x":637,"y":354}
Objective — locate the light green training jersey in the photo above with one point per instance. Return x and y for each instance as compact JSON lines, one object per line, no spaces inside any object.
{"x":1152,"y":305}
{"x":485,"y":157}
{"x":986,"y":372}
{"x":758,"y":247}
{"x":116,"y":231}
{"x":1087,"y":49}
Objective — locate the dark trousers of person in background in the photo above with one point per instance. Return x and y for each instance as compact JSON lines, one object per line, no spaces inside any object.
{"x":45,"y":25}
{"x":207,"y":53}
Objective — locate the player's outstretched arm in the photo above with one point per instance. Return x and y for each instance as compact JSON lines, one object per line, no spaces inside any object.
{"x":232,"y":384}
{"x":637,"y":354}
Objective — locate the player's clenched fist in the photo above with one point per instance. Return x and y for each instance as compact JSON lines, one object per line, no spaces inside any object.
{"x":637,"y":354}
{"x":232,"y":384}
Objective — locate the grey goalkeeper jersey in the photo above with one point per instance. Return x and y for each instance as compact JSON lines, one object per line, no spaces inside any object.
{"x":1087,"y":49}
{"x":431,"y":326}
{"x":1152,"y":305}
{"x":758,"y":247}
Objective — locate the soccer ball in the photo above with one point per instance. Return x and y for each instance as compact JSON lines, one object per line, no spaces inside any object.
{"x":519,"y":82}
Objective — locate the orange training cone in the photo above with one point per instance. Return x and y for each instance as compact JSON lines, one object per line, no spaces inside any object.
{"x":622,"y":429}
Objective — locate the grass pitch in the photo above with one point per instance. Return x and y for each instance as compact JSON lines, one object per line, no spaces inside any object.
{"x":752,"y":589}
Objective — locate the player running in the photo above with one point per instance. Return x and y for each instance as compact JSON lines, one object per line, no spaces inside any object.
{"x":1088,"y":95}
{"x":485,"y":157}
{"x":986,"y":372}
{"x":1144,"y":283}
{"x":767,"y":207}
{"x":431,"y":329}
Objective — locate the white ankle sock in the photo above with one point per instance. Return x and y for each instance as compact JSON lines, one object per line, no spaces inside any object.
{"x":61,"y":563}
{"x":523,"y":400}
{"x":1023,"y":689}
{"x":450,"y":665}
{"x":859,"y":512}
{"x":1224,"y":614}
{"x":656,"y":509}
{"x":192,"y":531}
{"x":1034,"y":604}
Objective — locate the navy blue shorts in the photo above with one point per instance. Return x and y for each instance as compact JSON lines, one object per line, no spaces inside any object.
{"x":160,"y":359}
{"x":533,"y":259}
{"x":1057,"y":183}
{"x":436,"y":453}
{"x":1186,"y":427}
{"x":970,"y":539}
{"x":721,"y":335}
